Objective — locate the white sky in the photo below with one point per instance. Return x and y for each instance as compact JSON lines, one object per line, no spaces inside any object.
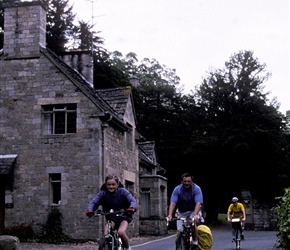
{"x":194,"y":36}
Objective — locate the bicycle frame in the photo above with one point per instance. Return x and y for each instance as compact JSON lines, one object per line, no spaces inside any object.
{"x":184,"y":237}
{"x":236,"y":225}
{"x":111,"y":241}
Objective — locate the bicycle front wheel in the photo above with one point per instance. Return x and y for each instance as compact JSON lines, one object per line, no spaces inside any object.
{"x":178,"y":241}
{"x":181,"y":243}
{"x":238,"y":239}
{"x":104,"y":244}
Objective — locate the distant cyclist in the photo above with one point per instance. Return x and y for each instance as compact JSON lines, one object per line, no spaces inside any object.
{"x":236,"y":210}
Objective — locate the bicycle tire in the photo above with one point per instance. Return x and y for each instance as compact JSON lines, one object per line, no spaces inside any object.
{"x":238,"y":239}
{"x":178,"y":244}
{"x":181,"y":243}
{"x":104,"y":244}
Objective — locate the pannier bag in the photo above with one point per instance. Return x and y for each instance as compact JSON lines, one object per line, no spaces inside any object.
{"x":205,"y":239}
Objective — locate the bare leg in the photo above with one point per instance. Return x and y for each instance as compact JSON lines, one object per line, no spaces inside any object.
{"x":194,"y":232}
{"x":122,"y":233}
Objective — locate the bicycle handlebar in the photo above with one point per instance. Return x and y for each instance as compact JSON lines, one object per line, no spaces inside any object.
{"x":184,"y":220}
{"x":111,"y":212}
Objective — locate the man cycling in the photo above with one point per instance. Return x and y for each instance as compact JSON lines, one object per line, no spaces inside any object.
{"x":187,"y":198}
{"x":236,"y":210}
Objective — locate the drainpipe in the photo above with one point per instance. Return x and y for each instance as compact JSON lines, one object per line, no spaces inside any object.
{"x":104,"y":125}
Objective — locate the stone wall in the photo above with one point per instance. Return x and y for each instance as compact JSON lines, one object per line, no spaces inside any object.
{"x":264,"y":217}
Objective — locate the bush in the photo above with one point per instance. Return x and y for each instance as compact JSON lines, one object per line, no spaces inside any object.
{"x":52,"y":231}
{"x":283,"y":212}
{"x":23,"y":231}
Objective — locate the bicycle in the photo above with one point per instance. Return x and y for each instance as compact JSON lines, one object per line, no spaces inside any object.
{"x":111,"y":241}
{"x":236,"y":225}
{"x":184,"y":237}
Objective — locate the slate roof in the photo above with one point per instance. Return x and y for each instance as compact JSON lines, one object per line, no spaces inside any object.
{"x":117,"y":98}
{"x":148,"y":147}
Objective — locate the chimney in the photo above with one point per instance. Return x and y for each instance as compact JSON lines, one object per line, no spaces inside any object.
{"x":24,"y":29}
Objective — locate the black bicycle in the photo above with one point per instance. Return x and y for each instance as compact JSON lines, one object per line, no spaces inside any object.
{"x":237,"y":226}
{"x":184,"y":237}
{"x":111,"y":241}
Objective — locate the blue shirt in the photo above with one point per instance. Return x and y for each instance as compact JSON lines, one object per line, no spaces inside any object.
{"x":186,"y":199}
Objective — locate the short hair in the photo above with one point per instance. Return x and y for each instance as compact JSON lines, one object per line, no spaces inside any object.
{"x":187,"y":175}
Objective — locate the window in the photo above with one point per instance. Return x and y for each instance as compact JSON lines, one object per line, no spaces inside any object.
{"x":59,"y":119}
{"x":145,"y":201}
{"x":129,"y":186}
{"x":55,"y":188}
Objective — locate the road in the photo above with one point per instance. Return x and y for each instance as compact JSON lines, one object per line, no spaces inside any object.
{"x":254,"y":240}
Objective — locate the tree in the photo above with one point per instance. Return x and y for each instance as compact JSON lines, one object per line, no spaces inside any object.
{"x":283,"y":210}
{"x":242,"y":135}
{"x":59,"y":24}
{"x":84,"y":38}
{"x":110,"y":70}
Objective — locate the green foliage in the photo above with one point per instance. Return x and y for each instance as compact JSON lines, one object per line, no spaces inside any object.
{"x":52,"y":231}
{"x":283,"y":212}
{"x":108,"y":71}
{"x":59,"y":24}
{"x":241,"y":130}
{"x":83,"y":38}
{"x":23,"y":231}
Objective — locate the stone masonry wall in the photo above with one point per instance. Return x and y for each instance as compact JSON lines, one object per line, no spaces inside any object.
{"x":26,"y":85}
{"x":123,"y":162}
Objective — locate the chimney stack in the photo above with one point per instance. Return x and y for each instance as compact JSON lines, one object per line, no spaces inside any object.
{"x":24,"y":29}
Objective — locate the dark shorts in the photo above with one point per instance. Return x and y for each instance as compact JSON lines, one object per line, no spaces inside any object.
{"x":118,"y":219}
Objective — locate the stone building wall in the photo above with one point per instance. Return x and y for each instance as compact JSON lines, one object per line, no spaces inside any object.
{"x":157,"y":186}
{"x":29,"y":81}
{"x":123,"y":162}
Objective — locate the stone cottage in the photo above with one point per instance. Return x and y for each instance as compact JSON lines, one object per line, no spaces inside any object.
{"x":60,"y":137}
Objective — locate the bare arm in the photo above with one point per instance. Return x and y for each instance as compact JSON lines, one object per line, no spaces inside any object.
{"x":229,"y":216}
{"x":197,"y":208}
{"x":244,"y":215}
{"x":171,"y":209}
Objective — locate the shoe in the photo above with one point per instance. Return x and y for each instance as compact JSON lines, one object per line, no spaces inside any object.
{"x":234,"y":240}
{"x":242,"y":237}
{"x":194,"y":247}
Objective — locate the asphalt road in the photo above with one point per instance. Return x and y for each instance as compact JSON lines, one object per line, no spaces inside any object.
{"x":254,"y":240}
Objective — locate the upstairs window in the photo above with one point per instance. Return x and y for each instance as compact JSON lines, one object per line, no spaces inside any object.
{"x":59,"y":119}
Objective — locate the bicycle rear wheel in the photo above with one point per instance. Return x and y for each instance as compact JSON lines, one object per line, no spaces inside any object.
{"x":104,"y":244}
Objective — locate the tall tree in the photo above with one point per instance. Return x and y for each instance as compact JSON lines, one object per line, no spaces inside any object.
{"x":243,"y":133}
{"x":60,"y":25}
{"x":85,"y":38}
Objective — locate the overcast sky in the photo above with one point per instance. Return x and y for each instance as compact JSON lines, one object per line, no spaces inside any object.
{"x":194,"y":36}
